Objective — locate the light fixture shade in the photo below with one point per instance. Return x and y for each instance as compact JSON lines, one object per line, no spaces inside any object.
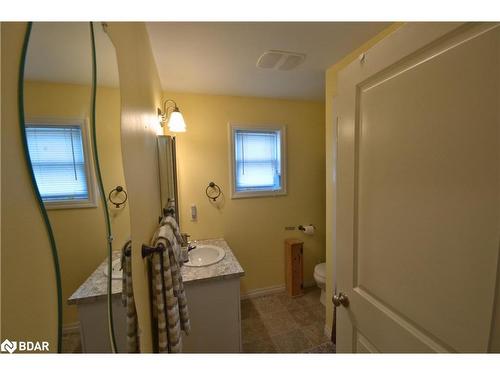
{"x":176,"y":122}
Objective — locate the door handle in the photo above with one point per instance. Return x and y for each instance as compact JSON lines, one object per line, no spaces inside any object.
{"x":340,"y":299}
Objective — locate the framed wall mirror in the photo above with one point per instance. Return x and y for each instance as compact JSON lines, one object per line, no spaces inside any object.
{"x":167,"y":166}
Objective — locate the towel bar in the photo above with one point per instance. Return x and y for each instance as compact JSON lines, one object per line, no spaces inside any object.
{"x":148,"y":250}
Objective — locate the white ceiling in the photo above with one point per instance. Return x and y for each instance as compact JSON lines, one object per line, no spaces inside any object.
{"x":220,"y":58}
{"x":203,"y":57}
{"x":61,"y":52}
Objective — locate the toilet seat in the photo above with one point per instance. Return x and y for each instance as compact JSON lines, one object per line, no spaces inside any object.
{"x":320,"y":272}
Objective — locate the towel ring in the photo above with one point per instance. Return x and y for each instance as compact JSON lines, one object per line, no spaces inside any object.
{"x":118,"y":189}
{"x":214,"y":187}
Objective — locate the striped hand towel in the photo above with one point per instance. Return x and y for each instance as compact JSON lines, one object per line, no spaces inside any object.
{"x":170,"y":310}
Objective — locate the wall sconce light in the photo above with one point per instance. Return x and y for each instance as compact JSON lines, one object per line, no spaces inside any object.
{"x":172,"y":116}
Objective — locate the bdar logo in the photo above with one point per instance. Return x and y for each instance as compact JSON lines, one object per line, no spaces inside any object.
{"x":8,"y":346}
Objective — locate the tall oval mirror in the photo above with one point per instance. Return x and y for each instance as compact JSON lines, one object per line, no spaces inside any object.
{"x":65,"y":138}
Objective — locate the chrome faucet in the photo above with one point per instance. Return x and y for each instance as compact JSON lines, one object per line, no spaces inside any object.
{"x":189,"y":244}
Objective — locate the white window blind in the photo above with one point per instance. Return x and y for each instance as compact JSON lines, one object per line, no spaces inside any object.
{"x":58,"y":160}
{"x":257,"y":160}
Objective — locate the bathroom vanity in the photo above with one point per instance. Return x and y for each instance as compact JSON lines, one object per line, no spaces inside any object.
{"x":91,"y":302}
{"x":213,"y":294}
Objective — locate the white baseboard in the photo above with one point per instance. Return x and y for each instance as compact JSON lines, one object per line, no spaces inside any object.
{"x":71,"y":328}
{"x":264,"y":291}
{"x":260,"y":292}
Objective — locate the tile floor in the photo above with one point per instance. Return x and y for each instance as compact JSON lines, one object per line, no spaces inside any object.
{"x":281,"y":324}
{"x":271,"y":324}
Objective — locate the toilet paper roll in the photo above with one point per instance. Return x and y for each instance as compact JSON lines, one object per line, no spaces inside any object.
{"x":308,"y":229}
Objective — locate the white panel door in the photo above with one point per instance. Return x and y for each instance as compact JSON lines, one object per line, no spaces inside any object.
{"x":418,"y":191}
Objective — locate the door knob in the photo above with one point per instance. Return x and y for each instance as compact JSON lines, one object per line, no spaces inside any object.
{"x":340,"y":299}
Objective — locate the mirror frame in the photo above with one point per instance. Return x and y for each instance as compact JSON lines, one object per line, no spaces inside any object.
{"x":100,"y":184}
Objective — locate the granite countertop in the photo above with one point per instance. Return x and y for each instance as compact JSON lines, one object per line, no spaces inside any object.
{"x":227,"y":268}
{"x":95,"y":286}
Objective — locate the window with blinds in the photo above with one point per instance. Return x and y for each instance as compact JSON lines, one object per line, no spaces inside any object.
{"x":257,"y":161}
{"x":57,"y":153}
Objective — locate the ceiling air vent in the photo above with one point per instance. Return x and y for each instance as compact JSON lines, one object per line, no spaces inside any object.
{"x":280,"y":60}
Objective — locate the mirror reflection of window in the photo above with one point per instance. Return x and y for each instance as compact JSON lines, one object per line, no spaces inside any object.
{"x":59,"y":154}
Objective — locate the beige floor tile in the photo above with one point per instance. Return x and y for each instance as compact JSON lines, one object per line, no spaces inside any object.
{"x":253,"y":330}
{"x":268,"y":304}
{"x":290,"y":302}
{"x":291,"y":342}
{"x":248,"y":309}
{"x":259,"y":346}
{"x":303,"y":316}
{"x":325,"y":348}
{"x":315,"y":333}
{"x":279,"y":322}
{"x":319,"y":314}
{"x":310,"y":297}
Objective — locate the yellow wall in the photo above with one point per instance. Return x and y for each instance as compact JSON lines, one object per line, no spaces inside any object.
{"x":330,"y":92}
{"x":253,"y":227}
{"x":81,"y":233}
{"x":140,"y":96}
{"x":109,"y":145}
{"x":29,"y":300}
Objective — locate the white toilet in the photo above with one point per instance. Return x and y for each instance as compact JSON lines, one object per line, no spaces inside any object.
{"x":320,"y":278}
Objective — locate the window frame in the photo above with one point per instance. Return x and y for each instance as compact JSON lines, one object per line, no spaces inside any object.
{"x":83,"y":123}
{"x":233,"y":127}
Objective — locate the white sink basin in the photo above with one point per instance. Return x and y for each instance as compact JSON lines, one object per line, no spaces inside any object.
{"x":205,"y":255}
{"x":116,"y":273}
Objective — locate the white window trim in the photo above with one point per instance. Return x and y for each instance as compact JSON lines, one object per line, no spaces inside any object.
{"x":232,"y":127}
{"x":91,"y":202}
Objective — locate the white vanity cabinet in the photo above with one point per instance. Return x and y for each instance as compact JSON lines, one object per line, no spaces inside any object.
{"x":213,"y":294}
{"x":214,"y":308}
{"x":94,"y":325}
{"x":91,"y":302}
